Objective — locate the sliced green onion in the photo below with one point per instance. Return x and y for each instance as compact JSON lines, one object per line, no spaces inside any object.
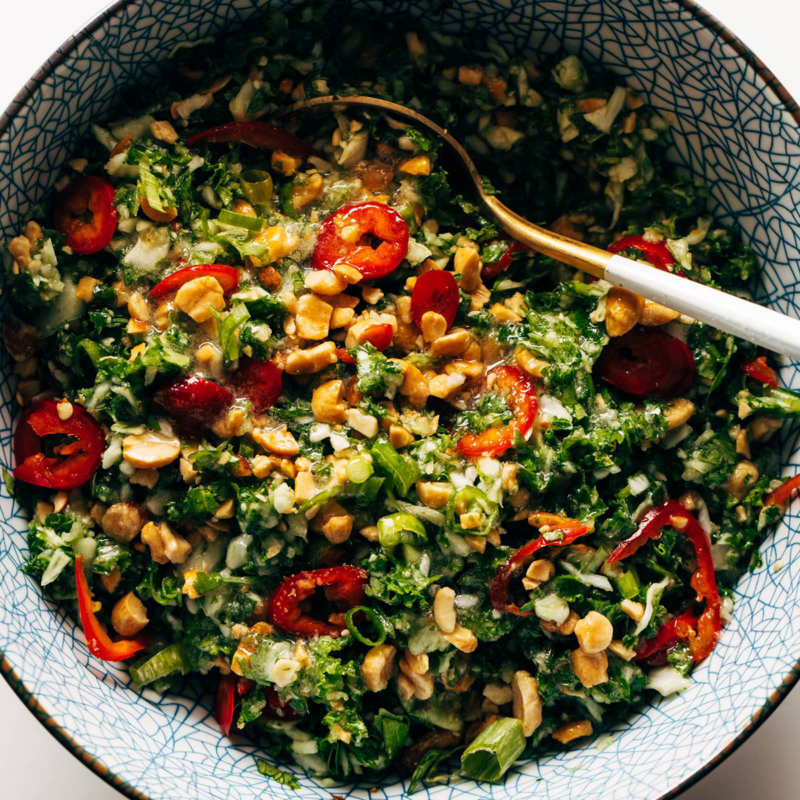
{"x":492,"y":752}
{"x":470,"y":501}
{"x":400,"y":528}
{"x":596,"y":560}
{"x":358,"y":470}
{"x":394,"y":730}
{"x":319,"y":499}
{"x":402,"y":472}
{"x":228,"y":332}
{"x":377,"y":621}
{"x":427,"y":765}
{"x":628,"y":585}
{"x":240,"y":220}
{"x":256,"y":185}
{"x":165,"y":662}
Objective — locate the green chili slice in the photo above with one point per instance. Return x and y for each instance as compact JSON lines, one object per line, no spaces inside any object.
{"x":400,"y":528}
{"x":376,"y":620}
{"x":470,"y":512}
{"x":256,"y":185}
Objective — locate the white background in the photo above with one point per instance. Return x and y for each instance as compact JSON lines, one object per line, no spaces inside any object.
{"x":34,"y":766}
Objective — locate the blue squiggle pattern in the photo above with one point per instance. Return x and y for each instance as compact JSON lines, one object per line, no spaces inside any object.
{"x":731,"y":130}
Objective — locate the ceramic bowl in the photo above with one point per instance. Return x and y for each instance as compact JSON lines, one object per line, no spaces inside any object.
{"x":735,"y":128}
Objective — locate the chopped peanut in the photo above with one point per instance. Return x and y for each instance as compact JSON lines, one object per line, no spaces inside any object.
{"x":284,"y":163}
{"x":377,"y":666}
{"x":433,"y":326}
{"x":86,"y":287}
{"x":327,"y":402}
{"x":306,"y":190}
{"x":444,"y":610}
{"x":453,"y":344}
{"x":333,"y":522}
{"x":313,"y":317}
{"x":594,"y":632}
{"x":129,"y":615}
{"x":462,"y":638}
{"x":623,"y":310}
{"x":591,"y":668}
{"x":198,"y":296}
{"x":434,"y":494}
{"x":527,"y":701}
{"x":304,"y":487}
{"x":165,"y":546}
{"x":280,"y":241}
{"x":572,"y":730}
{"x":468,"y":263}
{"x":163,"y":131}
{"x":419,"y":165}
{"x":444,"y":386}
{"x":279,"y":441}
{"x":123,"y":521}
{"x":538,"y":572}
{"x":324,"y":282}
{"x":150,"y":450}
{"x":678,"y":412}
{"x":313,"y":359}
{"x":633,"y":609}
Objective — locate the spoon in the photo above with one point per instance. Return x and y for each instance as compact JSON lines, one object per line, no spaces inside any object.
{"x":724,"y":311}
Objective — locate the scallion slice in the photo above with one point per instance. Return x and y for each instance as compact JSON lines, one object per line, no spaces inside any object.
{"x":358,"y":470}
{"x":376,"y":620}
{"x":235,"y":220}
{"x":162,"y":664}
{"x":400,"y":528}
{"x":256,"y":185}
{"x":492,"y":752}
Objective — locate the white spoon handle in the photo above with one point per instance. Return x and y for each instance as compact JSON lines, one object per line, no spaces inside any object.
{"x":732,"y":314}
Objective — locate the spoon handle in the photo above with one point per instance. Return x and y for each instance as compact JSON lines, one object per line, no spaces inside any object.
{"x":724,"y":311}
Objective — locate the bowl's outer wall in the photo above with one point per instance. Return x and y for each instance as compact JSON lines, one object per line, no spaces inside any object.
{"x":731,"y":130}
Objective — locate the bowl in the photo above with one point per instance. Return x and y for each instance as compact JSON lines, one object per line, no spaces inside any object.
{"x":735,"y":127}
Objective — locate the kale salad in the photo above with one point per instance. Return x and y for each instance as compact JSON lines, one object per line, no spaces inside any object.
{"x":298,"y":418}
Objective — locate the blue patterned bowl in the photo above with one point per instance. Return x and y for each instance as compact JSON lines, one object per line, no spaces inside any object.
{"x":736,"y":128}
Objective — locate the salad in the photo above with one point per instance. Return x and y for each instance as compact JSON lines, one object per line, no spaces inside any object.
{"x":299,"y":419}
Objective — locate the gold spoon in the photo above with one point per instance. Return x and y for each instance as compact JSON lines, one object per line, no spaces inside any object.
{"x":724,"y":311}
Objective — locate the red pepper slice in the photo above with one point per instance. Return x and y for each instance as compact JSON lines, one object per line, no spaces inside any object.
{"x":85,"y":213}
{"x":347,"y":237}
{"x":435,"y":290}
{"x":570,"y":530}
{"x":277,"y":708}
{"x":76,"y":461}
{"x":668,"y":635}
{"x":647,"y":362}
{"x":760,"y":371}
{"x":523,"y":402}
{"x":493,"y":269}
{"x":709,"y":624}
{"x":99,"y":642}
{"x":343,"y":586}
{"x":782,"y":495}
{"x":656,"y":253}
{"x":256,"y":134}
{"x":193,"y":403}
{"x":258,"y":380}
{"x":224,"y":702}
{"x":228,"y":278}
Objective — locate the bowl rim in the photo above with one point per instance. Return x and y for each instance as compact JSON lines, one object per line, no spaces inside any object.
{"x":28,"y":697}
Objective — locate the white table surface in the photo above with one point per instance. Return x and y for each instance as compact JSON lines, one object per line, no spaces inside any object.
{"x":34,"y":766}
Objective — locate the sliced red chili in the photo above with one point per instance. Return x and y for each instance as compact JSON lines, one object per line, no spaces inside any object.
{"x":260,"y":381}
{"x":647,"y":362}
{"x":521,"y":397}
{"x":98,"y":641}
{"x":704,"y":582}
{"x":225,"y":702}
{"x":256,"y":134}
{"x":654,"y":650}
{"x":656,"y":253}
{"x":499,"y":591}
{"x":343,"y":586}
{"x":277,"y":708}
{"x":228,"y":278}
{"x":349,"y":237}
{"x":73,"y":463}
{"x":760,"y":371}
{"x":435,"y":290}
{"x":85,"y":213}
{"x":492,"y":269}
{"x":782,"y":495}
{"x":193,"y":403}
